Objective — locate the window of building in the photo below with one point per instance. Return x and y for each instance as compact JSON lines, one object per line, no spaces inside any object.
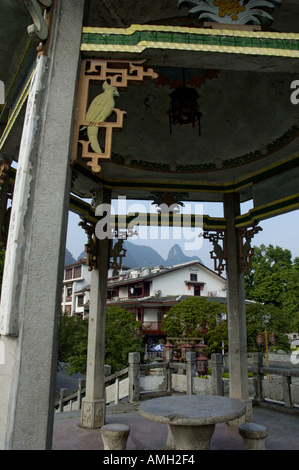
{"x":80,"y":300}
{"x":69,"y":291}
{"x":68,"y":309}
{"x":193,"y":277}
{"x":77,"y":272}
{"x":68,"y":274}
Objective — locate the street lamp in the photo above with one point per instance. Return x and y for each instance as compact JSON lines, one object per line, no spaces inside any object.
{"x":268,"y":338}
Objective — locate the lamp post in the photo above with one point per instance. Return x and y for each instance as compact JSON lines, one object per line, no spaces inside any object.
{"x":260,"y":341}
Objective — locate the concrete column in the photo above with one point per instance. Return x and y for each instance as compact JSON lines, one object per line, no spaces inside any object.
{"x":31,"y":290}
{"x":74,"y":288}
{"x":238,"y":373}
{"x":94,"y":404}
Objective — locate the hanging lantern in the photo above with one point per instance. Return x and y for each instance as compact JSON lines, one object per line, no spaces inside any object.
{"x":183,"y":107}
{"x":272,"y":339}
{"x":186,"y":348}
{"x":201,"y":365}
{"x":259,"y":340}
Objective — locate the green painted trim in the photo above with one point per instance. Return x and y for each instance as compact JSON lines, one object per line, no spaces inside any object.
{"x":28,"y":47}
{"x":16,"y":111}
{"x":191,"y":38}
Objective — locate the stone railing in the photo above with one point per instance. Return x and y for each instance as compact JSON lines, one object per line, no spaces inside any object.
{"x":114,"y":391}
{"x":279,"y":392}
{"x":136,"y":383}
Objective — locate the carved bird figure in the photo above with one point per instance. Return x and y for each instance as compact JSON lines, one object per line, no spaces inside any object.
{"x":219,"y":253}
{"x":99,"y":111}
{"x":116,"y":250}
{"x":246,"y":252}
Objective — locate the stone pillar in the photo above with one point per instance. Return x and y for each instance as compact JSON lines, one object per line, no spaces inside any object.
{"x":257,"y":360}
{"x":31,"y":289}
{"x":191,"y":370}
{"x":134,"y":377}
{"x":238,"y":373}
{"x":217,"y":383}
{"x":94,"y":404}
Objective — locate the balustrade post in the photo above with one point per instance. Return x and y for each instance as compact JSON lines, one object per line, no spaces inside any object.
{"x":217,"y":383}
{"x":168,"y":359}
{"x":134,"y":377}
{"x":257,"y":360}
{"x":81,"y":387}
{"x":287,"y":381}
{"x":116,"y":391}
{"x":191,"y":370}
{"x":63,"y":394}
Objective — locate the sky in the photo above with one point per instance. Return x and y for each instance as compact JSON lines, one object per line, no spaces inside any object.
{"x":280,"y":231}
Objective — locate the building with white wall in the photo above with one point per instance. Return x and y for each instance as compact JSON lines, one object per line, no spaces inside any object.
{"x":76,"y":289}
{"x":150,"y":293}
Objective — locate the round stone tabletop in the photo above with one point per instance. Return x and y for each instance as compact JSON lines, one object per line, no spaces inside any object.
{"x":192,"y":410}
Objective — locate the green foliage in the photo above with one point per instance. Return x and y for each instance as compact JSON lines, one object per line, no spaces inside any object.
{"x":290,"y":300}
{"x":260,"y":317}
{"x":122,"y":336}
{"x":189,"y":318}
{"x":274,"y":279}
{"x":270,"y":274}
{"x":73,"y":343}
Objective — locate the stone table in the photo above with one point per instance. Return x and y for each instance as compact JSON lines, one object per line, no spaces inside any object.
{"x":192,"y":418}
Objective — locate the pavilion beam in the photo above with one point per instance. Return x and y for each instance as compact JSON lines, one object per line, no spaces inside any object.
{"x":237,"y":336}
{"x":94,"y":404}
{"x":34,"y":262}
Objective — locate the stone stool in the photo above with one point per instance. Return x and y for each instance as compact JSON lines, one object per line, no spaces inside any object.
{"x":115,"y":436}
{"x":254,"y":436}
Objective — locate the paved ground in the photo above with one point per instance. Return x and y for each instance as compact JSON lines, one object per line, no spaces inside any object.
{"x":283,"y":431}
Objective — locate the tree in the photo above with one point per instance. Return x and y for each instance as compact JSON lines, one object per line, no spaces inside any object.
{"x":266,"y":316}
{"x":73,"y":338}
{"x":190,"y":316}
{"x":270,"y":274}
{"x":290,"y":301}
{"x":122,"y":336}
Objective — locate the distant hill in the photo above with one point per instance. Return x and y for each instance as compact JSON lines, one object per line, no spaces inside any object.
{"x":68,"y":259}
{"x":176,"y":256}
{"x":137,"y":256}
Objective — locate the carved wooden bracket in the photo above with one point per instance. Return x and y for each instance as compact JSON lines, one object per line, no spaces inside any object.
{"x":117,"y":74}
{"x":4,"y":170}
{"x":91,"y":247}
{"x":246,"y":252}
{"x":38,"y":31}
{"x":118,"y":252}
{"x":218,"y":254}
